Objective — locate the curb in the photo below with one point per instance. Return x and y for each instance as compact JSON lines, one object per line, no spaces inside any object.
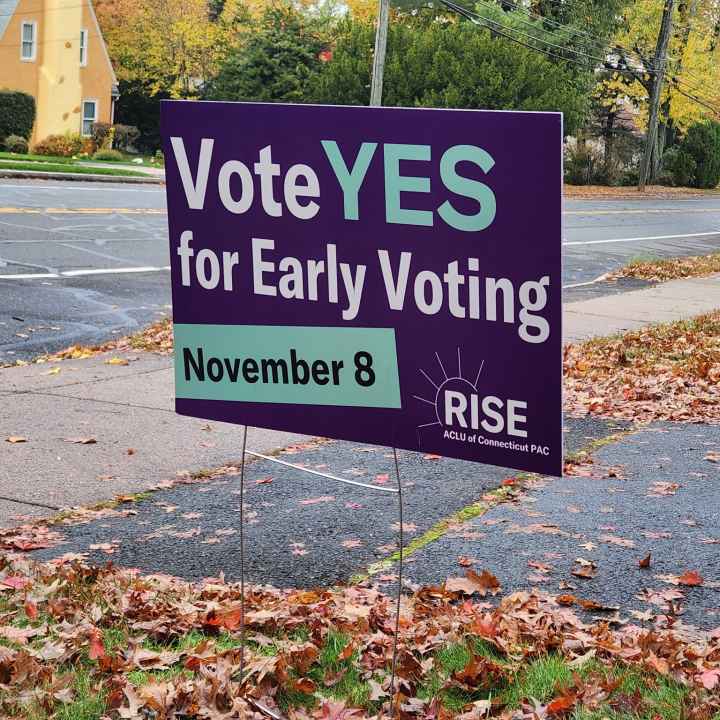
{"x":40,"y":175}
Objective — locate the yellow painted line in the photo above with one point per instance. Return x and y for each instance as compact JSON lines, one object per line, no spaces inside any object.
{"x":81,"y":211}
{"x":649,"y":211}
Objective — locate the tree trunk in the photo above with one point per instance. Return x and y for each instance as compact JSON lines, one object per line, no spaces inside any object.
{"x":609,"y":143}
{"x":658,"y":77}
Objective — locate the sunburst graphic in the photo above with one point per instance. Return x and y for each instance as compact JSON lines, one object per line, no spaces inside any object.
{"x":447,"y":382}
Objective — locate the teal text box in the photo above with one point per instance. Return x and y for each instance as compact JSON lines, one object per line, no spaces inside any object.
{"x":215,"y":362}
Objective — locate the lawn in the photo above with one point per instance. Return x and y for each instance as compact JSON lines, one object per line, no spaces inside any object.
{"x":86,"y":642}
{"x":66,"y":167}
{"x":36,"y":158}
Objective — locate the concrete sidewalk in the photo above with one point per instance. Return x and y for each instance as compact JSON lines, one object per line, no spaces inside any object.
{"x":610,"y":314}
{"x":127,"y":410}
{"x":140,"y":442}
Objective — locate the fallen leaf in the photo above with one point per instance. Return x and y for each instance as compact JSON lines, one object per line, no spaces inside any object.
{"x":710,"y":678}
{"x":431,"y":456}
{"x":97,"y":648}
{"x":31,"y":609}
{"x":473,"y":582}
{"x":117,"y":361}
{"x":17,"y":582}
{"x":663,"y":488}
{"x":14,"y":439}
{"x":561,"y":704}
{"x":691,"y":578}
{"x":317,"y":500}
{"x":615,"y":540}
{"x":81,"y":440}
{"x":645,"y":562}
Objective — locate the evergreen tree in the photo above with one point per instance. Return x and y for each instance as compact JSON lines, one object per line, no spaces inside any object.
{"x":283,"y":51}
{"x":439,"y":62}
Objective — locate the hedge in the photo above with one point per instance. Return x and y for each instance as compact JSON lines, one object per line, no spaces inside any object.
{"x":702,"y":144}
{"x":17,"y":114}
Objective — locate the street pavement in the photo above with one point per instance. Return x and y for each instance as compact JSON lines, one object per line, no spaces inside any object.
{"x":89,"y":269}
{"x":139,"y":441}
{"x":83,"y":262}
{"x":652,"y":492}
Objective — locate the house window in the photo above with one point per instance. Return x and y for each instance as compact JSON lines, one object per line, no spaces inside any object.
{"x":28,"y":44}
{"x":89,"y":116}
{"x":83,"y":48}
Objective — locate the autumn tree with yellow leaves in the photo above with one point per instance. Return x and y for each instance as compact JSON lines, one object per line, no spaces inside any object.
{"x":692,"y":76}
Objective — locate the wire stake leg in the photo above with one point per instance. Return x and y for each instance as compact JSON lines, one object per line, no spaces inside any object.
{"x":399,"y":584}
{"x":242,"y":553}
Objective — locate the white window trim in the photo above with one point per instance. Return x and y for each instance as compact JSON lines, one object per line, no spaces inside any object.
{"x":23,"y":25}
{"x":84,"y":35}
{"x":83,"y":118}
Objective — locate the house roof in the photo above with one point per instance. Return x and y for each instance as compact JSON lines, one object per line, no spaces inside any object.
{"x":7,"y":10}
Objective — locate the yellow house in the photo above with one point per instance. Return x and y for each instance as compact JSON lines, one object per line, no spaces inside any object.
{"x":54,"y":51}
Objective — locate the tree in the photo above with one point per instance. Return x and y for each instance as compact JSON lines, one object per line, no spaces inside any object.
{"x":692,"y":90}
{"x":171,"y":47}
{"x":702,"y":144}
{"x":440,"y":62}
{"x":282,"y":52}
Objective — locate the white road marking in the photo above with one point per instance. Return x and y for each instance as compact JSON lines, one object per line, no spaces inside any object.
{"x":642,"y":211}
{"x":637,"y":239}
{"x":598,"y":279}
{"x":113,"y":271}
{"x":81,"y":273}
{"x":29,"y":276}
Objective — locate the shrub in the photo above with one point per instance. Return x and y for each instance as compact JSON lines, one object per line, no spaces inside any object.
{"x":125,"y":136}
{"x":60,"y":145}
{"x":108,"y":155}
{"x":16,"y":144}
{"x":17,"y":114}
{"x":101,"y":135}
{"x":702,"y":144}
{"x":679,"y":166}
{"x":582,"y":164}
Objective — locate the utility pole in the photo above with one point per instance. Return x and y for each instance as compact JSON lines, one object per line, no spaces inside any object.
{"x":658,"y":77}
{"x":378,"y":71}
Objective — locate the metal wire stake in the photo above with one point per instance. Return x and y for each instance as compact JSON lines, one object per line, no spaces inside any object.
{"x":399,"y":585}
{"x":242,"y":554}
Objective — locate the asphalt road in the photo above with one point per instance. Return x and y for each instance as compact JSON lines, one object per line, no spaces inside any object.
{"x":82,"y":262}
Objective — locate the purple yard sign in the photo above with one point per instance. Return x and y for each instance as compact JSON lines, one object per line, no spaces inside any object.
{"x":388,"y":276}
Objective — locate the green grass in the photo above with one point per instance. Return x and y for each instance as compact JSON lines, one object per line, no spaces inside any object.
{"x":143,"y":677}
{"x":539,"y":680}
{"x":350,"y":686}
{"x":69,"y":168}
{"x":88,"y":702}
{"x":36,"y":158}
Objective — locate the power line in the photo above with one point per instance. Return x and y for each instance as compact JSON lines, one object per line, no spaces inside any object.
{"x":492,"y":25}
{"x":596,"y":41}
{"x":535,"y":38}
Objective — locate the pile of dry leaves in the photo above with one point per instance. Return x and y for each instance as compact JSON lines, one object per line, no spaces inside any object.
{"x":632,"y":193}
{"x":670,"y":269}
{"x":157,"y":338}
{"x":663,"y":372}
{"x":157,"y":647}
